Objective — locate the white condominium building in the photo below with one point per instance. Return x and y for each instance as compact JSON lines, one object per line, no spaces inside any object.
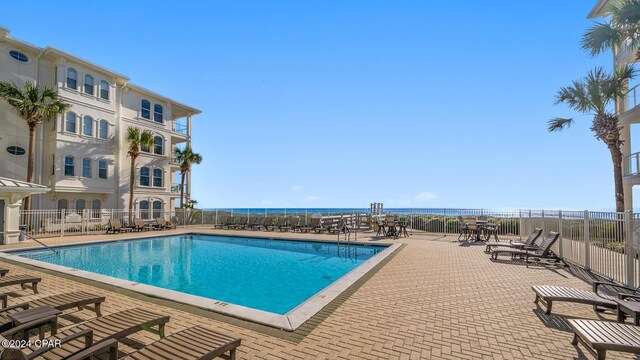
{"x":82,"y":155}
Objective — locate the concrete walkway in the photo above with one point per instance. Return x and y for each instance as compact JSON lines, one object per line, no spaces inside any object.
{"x":433,"y":299}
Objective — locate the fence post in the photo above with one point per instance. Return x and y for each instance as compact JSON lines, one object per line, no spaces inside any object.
{"x":560,"y":243}
{"x":62,"y":216}
{"x":628,"y":248}
{"x":587,"y":242}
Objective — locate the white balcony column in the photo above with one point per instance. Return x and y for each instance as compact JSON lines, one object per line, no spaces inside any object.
{"x":625,"y":136}
{"x":189,"y":130}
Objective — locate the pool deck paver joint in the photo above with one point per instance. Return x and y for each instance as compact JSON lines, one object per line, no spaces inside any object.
{"x":432,"y":299}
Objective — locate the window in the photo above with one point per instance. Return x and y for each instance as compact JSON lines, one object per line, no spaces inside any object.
{"x":70,"y":123}
{"x":102,"y":169}
{"x":145,"y":109}
{"x":157,"y":177}
{"x":158,"y":144}
{"x":87,"y":125}
{"x":63,"y":204}
{"x":18,"y":56}
{"x":157,"y":209}
{"x":69,"y":167}
{"x":157,"y":113}
{"x":103,"y":129}
{"x":88,"y":84}
{"x":96,"y":205}
{"x":144,"y":176}
{"x":144,"y":209}
{"x":81,"y":204}
{"x":86,"y":167}
{"x":72,"y":79}
{"x":104,"y":90}
{"x":15,"y":150}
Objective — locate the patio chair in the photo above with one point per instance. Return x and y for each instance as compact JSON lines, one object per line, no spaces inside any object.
{"x":229,"y":223}
{"x":240,"y":223}
{"x":542,"y":252}
{"x":341,"y":226}
{"x":600,"y":336}
{"x":140,"y":225}
{"x":325,"y":225}
{"x":116,"y":225}
{"x":529,"y":242}
{"x":62,"y":302}
{"x":547,"y":295}
{"x":315,"y":222}
{"x":268,"y":220}
{"x":252,"y":223}
{"x":294,"y":223}
{"x":22,"y":280}
{"x":221,"y":223}
{"x":464,"y":229}
{"x":114,"y":326}
{"x":164,"y":224}
{"x":390,"y":222}
{"x":193,"y":343}
{"x":382,"y":228}
{"x":279,"y":224}
{"x":473,"y":231}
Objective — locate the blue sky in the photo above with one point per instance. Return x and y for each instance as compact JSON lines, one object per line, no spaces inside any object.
{"x":343,"y":103}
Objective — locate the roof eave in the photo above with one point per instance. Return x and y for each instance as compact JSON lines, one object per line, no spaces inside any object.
{"x":598,"y":10}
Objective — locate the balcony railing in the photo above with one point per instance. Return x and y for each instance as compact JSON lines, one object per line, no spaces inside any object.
{"x":175,"y":188}
{"x":631,"y":165}
{"x":632,"y":98}
{"x":179,"y":128}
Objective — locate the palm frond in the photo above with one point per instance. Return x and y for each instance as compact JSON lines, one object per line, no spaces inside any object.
{"x":600,"y":38}
{"x":557,"y":124}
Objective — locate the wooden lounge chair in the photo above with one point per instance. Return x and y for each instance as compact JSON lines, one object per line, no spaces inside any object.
{"x":549,"y":294}
{"x":22,"y":280}
{"x":221,"y":223}
{"x":341,"y":226}
{"x":529,"y":242}
{"x":193,"y":343}
{"x":265,"y":223}
{"x":252,"y":223}
{"x":315,"y":222}
{"x":280,"y":223}
{"x":114,"y":326}
{"x":116,"y":225}
{"x":164,"y":224}
{"x":294,"y":223}
{"x":600,"y":336}
{"x":543,"y":251}
{"x":285,"y":225}
{"x":140,"y":225}
{"x":240,"y":223}
{"x":62,"y":302}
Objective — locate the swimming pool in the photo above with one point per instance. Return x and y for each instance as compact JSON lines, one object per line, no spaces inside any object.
{"x":270,"y":275}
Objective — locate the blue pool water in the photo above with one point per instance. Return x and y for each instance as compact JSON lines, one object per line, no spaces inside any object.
{"x":265,"y":274}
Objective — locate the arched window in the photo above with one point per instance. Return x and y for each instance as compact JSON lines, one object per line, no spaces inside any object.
{"x":88,"y":84}
{"x":102,"y":169}
{"x":144,"y":176}
{"x":157,"y":113}
{"x":69,"y":166}
{"x":86,"y":167}
{"x":87,"y":125}
{"x":158,"y":145}
{"x":104,"y":90}
{"x":103,"y":129}
{"x":157,"y":177}
{"x":81,"y":204}
{"x":145,"y":109}
{"x":70,"y":123}
{"x":157,"y":209}
{"x":96,"y":205}
{"x":144,"y":209}
{"x":72,"y":78}
{"x":63,"y":204}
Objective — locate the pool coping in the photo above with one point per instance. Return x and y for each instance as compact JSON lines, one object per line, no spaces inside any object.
{"x":290,"y":321}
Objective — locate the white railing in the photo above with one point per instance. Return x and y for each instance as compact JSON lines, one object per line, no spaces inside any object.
{"x":631,"y":98}
{"x":631,"y":165}
{"x":179,"y":128}
{"x":602,"y":242}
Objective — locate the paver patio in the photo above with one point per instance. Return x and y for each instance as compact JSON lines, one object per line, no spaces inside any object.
{"x":433,"y":299}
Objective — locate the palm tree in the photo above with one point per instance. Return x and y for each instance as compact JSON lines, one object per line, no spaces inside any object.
{"x":35,"y":105}
{"x":137,"y":140}
{"x":186,"y":157}
{"x":621,"y":28}
{"x":595,"y":95}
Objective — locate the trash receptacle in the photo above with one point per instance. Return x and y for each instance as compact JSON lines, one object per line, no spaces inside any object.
{"x":23,"y":232}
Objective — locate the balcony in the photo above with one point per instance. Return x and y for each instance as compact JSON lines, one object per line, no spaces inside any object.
{"x":631,"y":169}
{"x":630,"y":113}
{"x":175,"y":189}
{"x":178,"y":128}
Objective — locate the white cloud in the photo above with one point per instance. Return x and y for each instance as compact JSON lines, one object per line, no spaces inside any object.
{"x":310,"y":198}
{"x":296,"y":188}
{"x":426,"y":196}
{"x":266,"y":202}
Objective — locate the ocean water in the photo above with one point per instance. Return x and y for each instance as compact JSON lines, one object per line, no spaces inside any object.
{"x":270,"y":275}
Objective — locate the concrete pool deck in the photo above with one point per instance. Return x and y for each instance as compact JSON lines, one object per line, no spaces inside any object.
{"x":432,"y":299}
